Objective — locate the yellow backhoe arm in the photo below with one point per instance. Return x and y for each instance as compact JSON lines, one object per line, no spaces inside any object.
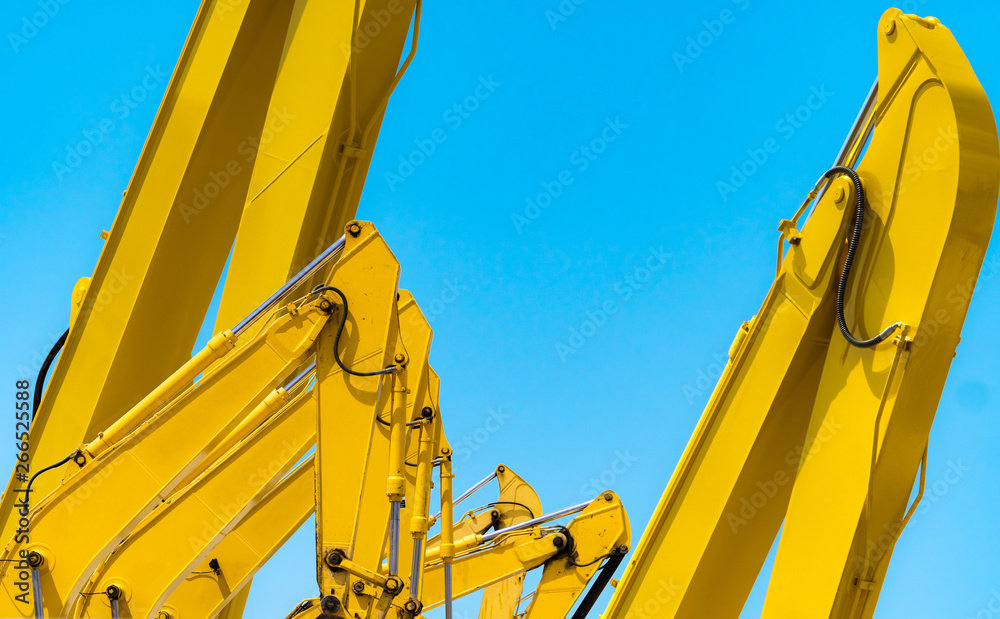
{"x":812,"y":424}
{"x":267,"y":128}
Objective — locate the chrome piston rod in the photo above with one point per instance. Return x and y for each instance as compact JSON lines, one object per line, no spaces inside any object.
{"x":302,"y":275}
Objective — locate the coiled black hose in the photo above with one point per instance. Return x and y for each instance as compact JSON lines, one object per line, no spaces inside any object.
{"x":340,"y":331}
{"x":852,"y":248}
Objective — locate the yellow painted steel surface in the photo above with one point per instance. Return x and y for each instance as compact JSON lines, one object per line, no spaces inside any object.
{"x":840,"y":477}
{"x":349,"y":408}
{"x":183,"y":532}
{"x":267,"y":128}
{"x":85,"y":518}
{"x":248,"y":546}
{"x":330,"y":92}
{"x":599,"y":529}
{"x":927,"y":238}
{"x":133,"y":303}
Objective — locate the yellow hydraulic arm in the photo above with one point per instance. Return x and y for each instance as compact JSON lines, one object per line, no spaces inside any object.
{"x":212,"y":507}
{"x":516,"y":503}
{"x":812,"y":424}
{"x":151,"y":451}
{"x":928,"y":236}
{"x":570,"y":556}
{"x":267,"y":128}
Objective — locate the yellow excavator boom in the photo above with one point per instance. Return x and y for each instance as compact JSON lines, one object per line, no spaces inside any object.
{"x":163,"y":481}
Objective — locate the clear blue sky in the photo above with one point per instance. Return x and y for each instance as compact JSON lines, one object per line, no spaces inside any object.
{"x":506,"y":294}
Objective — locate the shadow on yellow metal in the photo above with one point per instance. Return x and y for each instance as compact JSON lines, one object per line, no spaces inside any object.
{"x":803,"y":424}
{"x":250,"y":136}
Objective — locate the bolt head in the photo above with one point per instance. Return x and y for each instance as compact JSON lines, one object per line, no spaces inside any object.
{"x":329,"y":604}
{"x":400,"y":358}
{"x":558,"y":541}
{"x":358,"y":586}
{"x":393,"y":584}
{"x":354,"y":229}
{"x":410,"y":606}
{"x":427,"y":412}
{"x":333,"y":558}
{"x":889,"y":27}
{"x":839,"y":194}
{"x":608,"y":497}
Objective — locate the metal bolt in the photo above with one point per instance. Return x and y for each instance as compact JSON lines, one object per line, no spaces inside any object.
{"x":400,"y":358}
{"x":393,"y":585}
{"x":558,"y":541}
{"x":608,"y":497}
{"x":358,"y":586}
{"x":622,"y":549}
{"x":163,"y":615}
{"x":411,"y":606}
{"x":329,"y":604}
{"x":333,"y":558}
{"x":354,"y":230}
{"x":35,"y":559}
{"x":889,"y":27}
{"x":501,"y":469}
{"x":838,"y":194}
{"x":114,"y":592}
{"x":427,"y":412}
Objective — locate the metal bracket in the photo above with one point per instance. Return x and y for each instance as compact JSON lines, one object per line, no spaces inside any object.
{"x":350,"y":150}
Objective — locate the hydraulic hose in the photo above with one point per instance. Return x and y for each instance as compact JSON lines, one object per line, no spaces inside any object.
{"x":340,"y":331}
{"x":852,"y":249}
{"x":44,"y":370}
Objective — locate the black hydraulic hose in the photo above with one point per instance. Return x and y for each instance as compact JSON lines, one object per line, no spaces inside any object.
{"x":27,"y":489}
{"x":602,"y":580}
{"x":340,"y":331}
{"x":852,"y":248}
{"x":44,"y":370}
